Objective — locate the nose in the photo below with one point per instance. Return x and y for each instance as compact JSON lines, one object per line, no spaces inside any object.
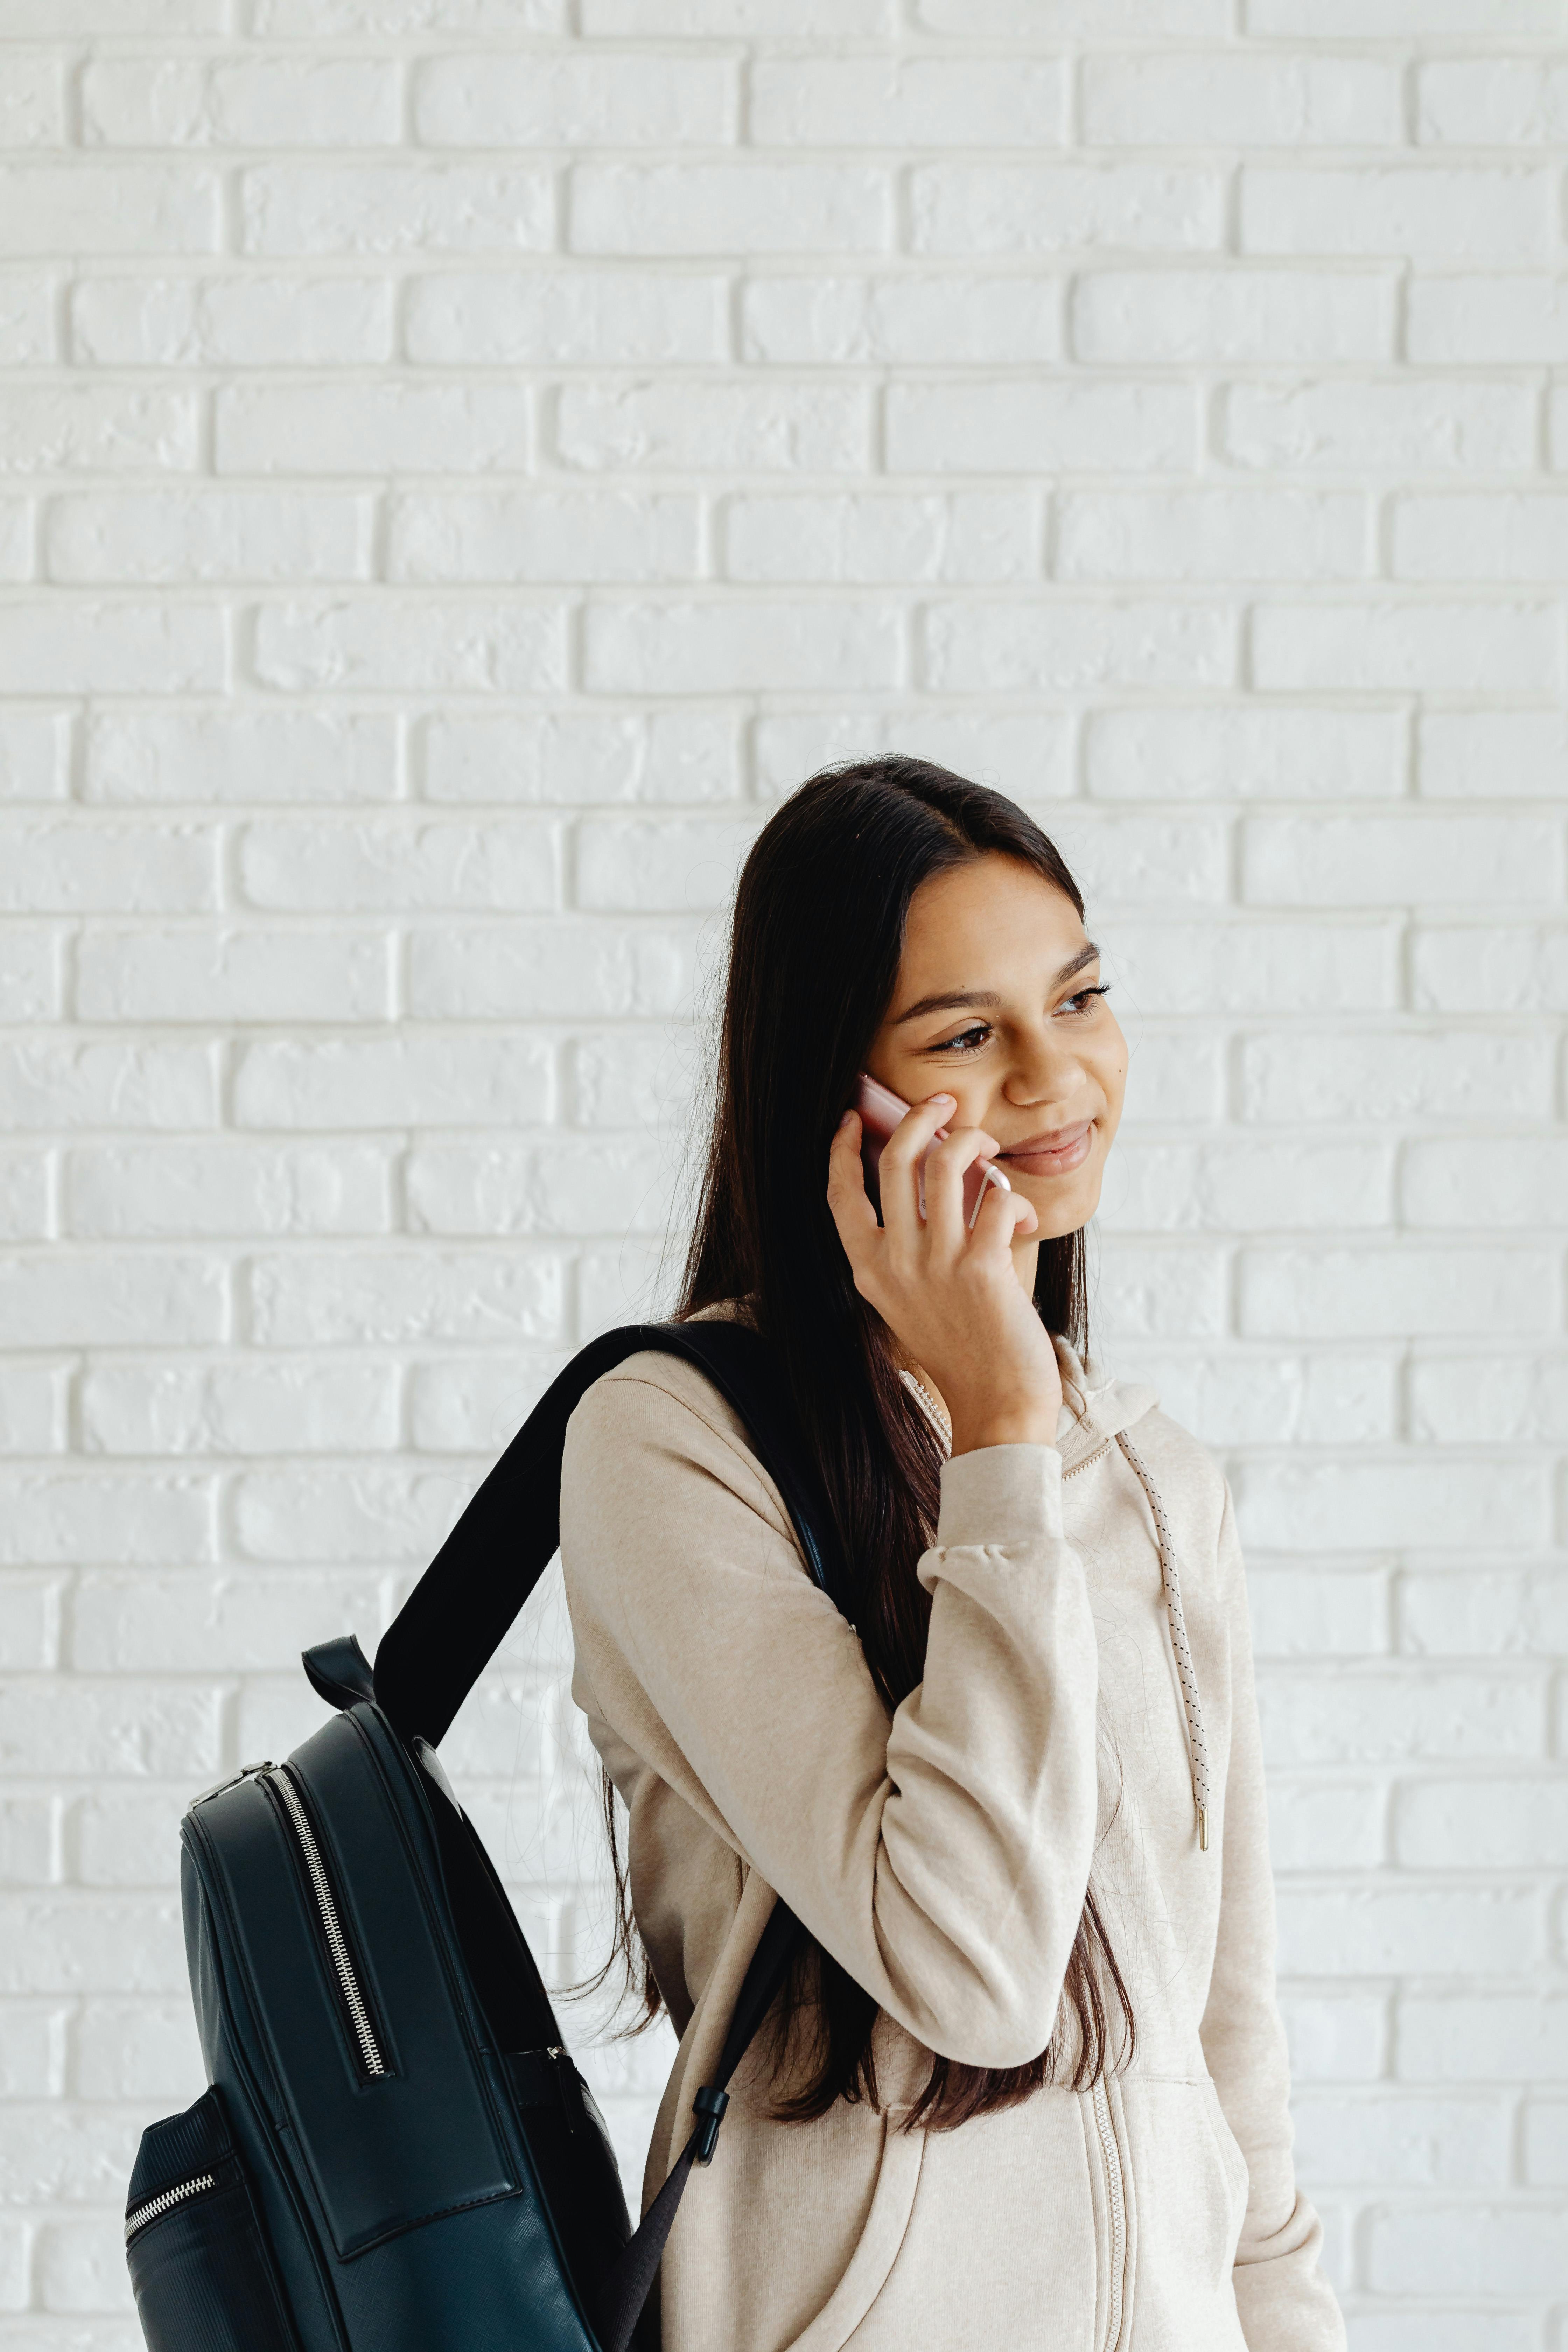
{"x":1047,"y":1078}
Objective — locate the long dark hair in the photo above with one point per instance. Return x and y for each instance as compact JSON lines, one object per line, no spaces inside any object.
{"x":818,"y":937}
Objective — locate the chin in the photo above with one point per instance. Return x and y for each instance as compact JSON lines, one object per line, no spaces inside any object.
{"x":1061,"y":1208}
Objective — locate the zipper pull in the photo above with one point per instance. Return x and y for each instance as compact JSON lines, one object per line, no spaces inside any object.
{"x":245,"y":1772}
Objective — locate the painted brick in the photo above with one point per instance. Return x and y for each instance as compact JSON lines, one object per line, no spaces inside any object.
{"x":1197,"y":1188}
{"x":1378,"y":861}
{"x":98,"y":208}
{"x":143,"y":2050}
{"x":1508,"y":538}
{"x":231,"y":321}
{"x":581,"y":756}
{"x":132,"y":1085}
{"x":1074,"y":649}
{"x":475,"y":1404}
{"x":151,"y":1301}
{"x":61,"y":1516}
{"x":370,"y":19}
{"x":1388,"y":19}
{"x":852,"y":540}
{"x":249,"y":755}
{"x":1472,"y":1183}
{"x":1330,"y":1825}
{"x":602,"y":317}
{"x":1499,"y":1400}
{"x":409,"y":647}
{"x":1473,"y":214}
{"x":299,"y":864}
{"x":359,"y":1298}
{"x":55,"y":648}
{"x":1492,"y":755}
{"x":721,"y":19}
{"x":1211,"y":535}
{"x":1256,"y":101}
{"x":1224,"y":753}
{"x":206,"y":1188}
{"x":1402,"y":428}
{"x":1370,"y":1293}
{"x":1493,"y":1613}
{"x":630,"y":101}
{"x":1404,"y":649}
{"x":547,"y":971}
{"x":981,"y":208}
{"x":96,"y":429}
{"x":1439,"y":1931}
{"x":742,"y":208}
{"x":1352,"y":1507}
{"x":372,"y":429}
{"x":727,"y":647}
{"x":29,"y":973}
{"x":276,"y":1407}
{"x":1518,"y":1825}
{"x":16,"y":539}
{"x":544,"y":535}
{"x":394,"y":1083}
{"x":646,"y":1078}
{"x":876,"y":321}
{"x":1343,"y":1613}
{"x":918,"y":101}
{"x":631,"y":864}
{"x":608,"y":1185}
{"x":1270,"y":1396}
{"x":392,"y":208}
{"x":1491,"y":101}
{"x":713,"y":427}
{"x":1008,"y":427}
{"x":1467,"y":968}
{"x":32,"y":102}
{"x":1334,"y":2037}
{"x":1472,"y":321}
{"x":1013,"y":751}
{"x":1441,"y":2249}
{"x":26,"y":321}
{"x":1409,"y":2142}
{"x":34,"y":752}
{"x":233,"y":976}
{"x":32,"y":1407}
{"x":237,"y":535}
{"x":262,"y":103}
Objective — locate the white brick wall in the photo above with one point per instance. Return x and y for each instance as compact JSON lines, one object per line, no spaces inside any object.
{"x":460,"y":462}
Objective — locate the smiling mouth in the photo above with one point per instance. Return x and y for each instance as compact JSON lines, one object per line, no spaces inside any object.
{"x":1055,"y":1154}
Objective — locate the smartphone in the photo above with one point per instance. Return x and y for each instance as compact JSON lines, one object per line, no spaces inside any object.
{"x":880,"y":1110}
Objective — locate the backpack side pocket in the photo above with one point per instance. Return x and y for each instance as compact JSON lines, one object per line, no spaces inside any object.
{"x":200,"y":2265}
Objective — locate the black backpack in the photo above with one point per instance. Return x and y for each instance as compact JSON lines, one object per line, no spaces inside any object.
{"x":397,"y":2153}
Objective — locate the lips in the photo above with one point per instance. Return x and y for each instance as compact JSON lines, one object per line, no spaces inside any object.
{"x":1053,"y":1154}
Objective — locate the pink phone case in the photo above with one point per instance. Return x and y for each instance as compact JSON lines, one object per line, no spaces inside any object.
{"x":880,"y":1110}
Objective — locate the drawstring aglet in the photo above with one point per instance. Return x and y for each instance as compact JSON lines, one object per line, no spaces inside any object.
{"x":1202,"y":1829}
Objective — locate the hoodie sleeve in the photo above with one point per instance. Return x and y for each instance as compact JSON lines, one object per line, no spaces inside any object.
{"x":942,"y":1855}
{"x":1285,"y":2302}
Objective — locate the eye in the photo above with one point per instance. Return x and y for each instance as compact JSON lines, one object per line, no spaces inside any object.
{"x":968,"y":1041}
{"x":1081,"y":1001}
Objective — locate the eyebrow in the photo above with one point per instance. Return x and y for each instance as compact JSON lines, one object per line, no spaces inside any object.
{"x":973,"y":999}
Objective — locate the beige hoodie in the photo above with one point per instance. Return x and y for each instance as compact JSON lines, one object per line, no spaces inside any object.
{"x":942,"y":1855}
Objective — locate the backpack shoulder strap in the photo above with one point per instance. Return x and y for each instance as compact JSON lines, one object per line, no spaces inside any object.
{"x":457,"y":1614}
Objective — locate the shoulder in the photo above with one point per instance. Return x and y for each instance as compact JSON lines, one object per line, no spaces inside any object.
{"x":654,"y":1435}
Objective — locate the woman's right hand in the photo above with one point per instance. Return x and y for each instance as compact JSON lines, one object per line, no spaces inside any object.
{"x":951,"y":1297}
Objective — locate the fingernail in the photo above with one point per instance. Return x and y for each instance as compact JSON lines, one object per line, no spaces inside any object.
{"x":845,"y":1121}
{"x":943,"y":1102}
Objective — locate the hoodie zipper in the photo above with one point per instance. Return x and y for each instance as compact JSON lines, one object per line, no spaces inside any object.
{"x":166,"y":2201}
{"x":353,"y":2001}
{"x":1117,"y":2208}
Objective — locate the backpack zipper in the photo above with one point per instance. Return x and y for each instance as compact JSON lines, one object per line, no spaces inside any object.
{"x":1117,"y":2210}
{"x":166,"y":2203}
{"x":331,"y":1924}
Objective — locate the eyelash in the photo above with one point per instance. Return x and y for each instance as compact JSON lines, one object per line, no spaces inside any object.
{"x":954,"y":1046}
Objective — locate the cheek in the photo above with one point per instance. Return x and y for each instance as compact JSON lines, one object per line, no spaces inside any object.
{"x":1108,"y":1064}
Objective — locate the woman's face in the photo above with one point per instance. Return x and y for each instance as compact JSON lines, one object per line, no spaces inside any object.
{"x":996,"y":1003}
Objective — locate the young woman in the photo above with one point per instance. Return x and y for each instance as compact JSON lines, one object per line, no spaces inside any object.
{"x":1031,"y":2089}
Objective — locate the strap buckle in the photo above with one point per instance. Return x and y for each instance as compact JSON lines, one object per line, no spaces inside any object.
{"x":708,"y":2106}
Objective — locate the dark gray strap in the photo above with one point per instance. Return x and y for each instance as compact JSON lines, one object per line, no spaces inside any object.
{"x":626,"y":2288}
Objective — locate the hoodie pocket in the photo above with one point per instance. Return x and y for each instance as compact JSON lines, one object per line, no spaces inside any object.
{"x":200,"y":2266}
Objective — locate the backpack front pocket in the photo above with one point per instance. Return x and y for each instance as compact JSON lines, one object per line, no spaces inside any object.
{"x":203,"y":2275}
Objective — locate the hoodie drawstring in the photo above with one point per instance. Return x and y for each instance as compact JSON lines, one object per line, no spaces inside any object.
{"x":1197,"y":1742}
